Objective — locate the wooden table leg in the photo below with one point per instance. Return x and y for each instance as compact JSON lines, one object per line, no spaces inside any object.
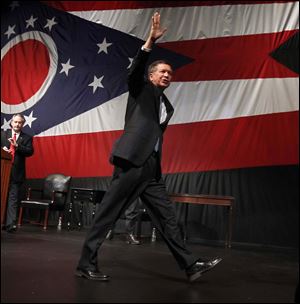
{"x":186,"y":213}
{"x":230,"y":219}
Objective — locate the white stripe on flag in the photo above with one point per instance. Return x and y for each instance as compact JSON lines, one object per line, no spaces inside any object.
{"x":188,"y":23}
{"x":196,"y":101}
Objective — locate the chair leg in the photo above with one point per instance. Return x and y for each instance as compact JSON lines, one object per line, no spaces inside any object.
{"x":46,"y":219}
{"x":20,"y":217}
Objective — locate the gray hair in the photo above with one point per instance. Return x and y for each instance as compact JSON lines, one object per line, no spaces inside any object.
{"x":19,"y":115}
{"x":152,"y":67}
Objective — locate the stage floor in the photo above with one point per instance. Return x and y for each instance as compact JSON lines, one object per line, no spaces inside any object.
{"x":39,"y":266}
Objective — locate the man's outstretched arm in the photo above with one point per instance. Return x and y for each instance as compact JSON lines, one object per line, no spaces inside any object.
{"x":135,"y":77}
{"x":156,"y":31}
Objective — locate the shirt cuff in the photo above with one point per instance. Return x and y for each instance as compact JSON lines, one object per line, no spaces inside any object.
{"x":146,"y":49}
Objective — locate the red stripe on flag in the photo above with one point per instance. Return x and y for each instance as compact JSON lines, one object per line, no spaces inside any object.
{"x":263,"y":140}
{"x":238,"y":57}
{"x":79,"y":155}
{"x":111,"y":5}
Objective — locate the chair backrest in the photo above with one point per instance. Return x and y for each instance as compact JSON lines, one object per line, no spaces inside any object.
{"x":56,"y":182}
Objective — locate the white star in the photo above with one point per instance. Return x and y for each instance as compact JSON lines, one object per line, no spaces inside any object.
{"x":96,"y":83}
{"x":6,"y":125}
{"x":14,"y":4}
{"x":50,"y":23}
{"x":10,"y":31}
{"x":130,"y":62}
{"x":103,"y":46}
{"x":30,"y":21}
{"x":66,"y":67}
{"x":29,"y":119}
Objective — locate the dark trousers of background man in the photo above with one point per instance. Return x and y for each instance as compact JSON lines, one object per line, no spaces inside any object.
{"x":128,"y":183}
{"x":131,"y":216}
{"x":12,"y":203}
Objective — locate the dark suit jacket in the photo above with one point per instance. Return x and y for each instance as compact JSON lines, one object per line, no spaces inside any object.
{"x":24,"y":149}
{"x":142,"y":128}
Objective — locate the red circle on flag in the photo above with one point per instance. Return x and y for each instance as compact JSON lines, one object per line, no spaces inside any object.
{"x":24,"y":69}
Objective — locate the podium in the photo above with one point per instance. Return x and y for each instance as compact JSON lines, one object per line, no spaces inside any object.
{"x":5,"y":175}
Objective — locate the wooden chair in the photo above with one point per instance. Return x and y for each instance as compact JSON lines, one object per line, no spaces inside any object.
{"x":53,"y":198}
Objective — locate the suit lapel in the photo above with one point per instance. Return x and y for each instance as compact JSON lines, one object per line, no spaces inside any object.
{"x":157,"y":94}
{"x":20,"y":138}
{"x":169,"y":108}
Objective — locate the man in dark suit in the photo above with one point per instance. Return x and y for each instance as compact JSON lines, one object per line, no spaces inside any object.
{"x":136,"y":156}
{"x":19,"y":145}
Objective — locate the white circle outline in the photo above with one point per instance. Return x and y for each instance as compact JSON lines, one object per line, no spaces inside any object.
{"x":52,"y":50}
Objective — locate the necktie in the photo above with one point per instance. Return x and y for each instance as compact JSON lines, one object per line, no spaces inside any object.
{"x":13,"y":148}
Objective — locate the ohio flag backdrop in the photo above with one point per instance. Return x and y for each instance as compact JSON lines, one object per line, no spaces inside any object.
{"x":235,"y":89}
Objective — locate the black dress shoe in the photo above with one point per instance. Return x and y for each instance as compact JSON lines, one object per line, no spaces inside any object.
{"x":91,"y":275}
{"x":131,"y":239}
{"x":11,"y":228}
{"x":197,"y":269}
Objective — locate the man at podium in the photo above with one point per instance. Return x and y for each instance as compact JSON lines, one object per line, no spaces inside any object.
{"x":19,"y":145}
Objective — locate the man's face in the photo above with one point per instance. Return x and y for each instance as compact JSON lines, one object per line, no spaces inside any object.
{"x":161,"y":76}
{"x":17,"y":123}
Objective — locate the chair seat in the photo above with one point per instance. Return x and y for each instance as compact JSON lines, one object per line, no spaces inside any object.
{"x":41,"y":204}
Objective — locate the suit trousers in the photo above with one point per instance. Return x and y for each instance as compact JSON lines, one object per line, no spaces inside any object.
{"x":128,"y":183}
{"x":12,"y":203}
{"x":131,"y":216}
